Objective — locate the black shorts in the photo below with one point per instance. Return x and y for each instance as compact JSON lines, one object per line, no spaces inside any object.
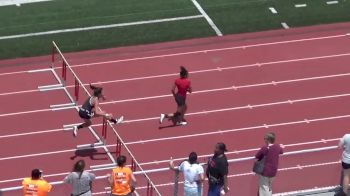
{"x":345,"y":165}
{"x":84,"y":115}
{"x":180,"y":100}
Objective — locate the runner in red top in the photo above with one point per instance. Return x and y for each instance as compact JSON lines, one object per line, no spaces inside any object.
{"x":182,"y":85}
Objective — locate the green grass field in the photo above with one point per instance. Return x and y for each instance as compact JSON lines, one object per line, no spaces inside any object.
{"x":230,"y":16}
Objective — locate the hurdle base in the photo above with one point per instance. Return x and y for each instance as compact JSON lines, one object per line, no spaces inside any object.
{"x":87,"y":146}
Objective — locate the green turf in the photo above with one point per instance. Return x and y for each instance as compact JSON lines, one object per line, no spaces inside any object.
{"x":131,"y":35}
{"x":231,"y":16}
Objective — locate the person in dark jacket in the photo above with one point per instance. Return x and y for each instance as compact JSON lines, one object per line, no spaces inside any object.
{"x":217,"y":171}
{"x":270,"y":152}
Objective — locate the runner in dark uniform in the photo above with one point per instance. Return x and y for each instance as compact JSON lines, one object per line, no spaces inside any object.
{"x":183,"y":85}
{"x":90,"y":109}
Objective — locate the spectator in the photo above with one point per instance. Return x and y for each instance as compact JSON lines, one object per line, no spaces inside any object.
{"x":193,"y":173}
{"x":80,"y":180}
{"x":270,"y":151}
{"x":36,"y":185}
{"x":345,"y":145}
{"x":217,"y":171}
{"x":122,"y":179}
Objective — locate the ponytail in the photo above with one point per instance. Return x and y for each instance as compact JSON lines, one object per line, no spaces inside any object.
{"x":183,"y":72}
{"x":97,"y":90}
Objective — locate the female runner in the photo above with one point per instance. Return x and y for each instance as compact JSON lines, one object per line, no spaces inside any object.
{"x":183,"y":85}
{"x":91,"y":109}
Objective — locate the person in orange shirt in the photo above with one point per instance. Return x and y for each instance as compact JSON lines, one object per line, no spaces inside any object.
{"x":36,"y":185}
{"x":122,"y":179}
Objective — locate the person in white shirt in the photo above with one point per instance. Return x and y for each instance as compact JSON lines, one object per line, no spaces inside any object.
{"x":193,"y":174}
{"x":345,"y":145}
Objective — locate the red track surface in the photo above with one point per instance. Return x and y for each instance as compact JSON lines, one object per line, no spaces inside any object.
{"x":272,"y":81}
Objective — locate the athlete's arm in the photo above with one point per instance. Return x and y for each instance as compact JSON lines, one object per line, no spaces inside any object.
{"x":190,"y":89}
{"x":98,"y":110}
{"x":173,"y":89}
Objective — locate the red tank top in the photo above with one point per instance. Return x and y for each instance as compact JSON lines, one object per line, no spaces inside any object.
{"x":182,"y":84}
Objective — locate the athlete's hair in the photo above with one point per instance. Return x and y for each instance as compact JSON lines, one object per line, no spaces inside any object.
{"x":97,"y":90}
{"x":192,"y":158}
{"x":121,"y":160}
{"x":183,"y":72}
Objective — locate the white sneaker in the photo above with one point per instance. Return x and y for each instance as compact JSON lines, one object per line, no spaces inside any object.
{"x":75,"y":131}
{"x":120,"y":120}
{"x":183,"y":123}
{"x":162,"y":116}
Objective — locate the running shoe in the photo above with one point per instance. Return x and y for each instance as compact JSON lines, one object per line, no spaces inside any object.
{"x":183,"y":123}
{"x":120,"y":120}
{"x":75,"y":131}
{"x":162,"y":116}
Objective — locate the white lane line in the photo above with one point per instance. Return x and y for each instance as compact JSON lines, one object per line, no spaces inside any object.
{"x":99,"y":27}
{"x":146,"y":163}
{"x":251,"y":173}
{"x":235,"y":130}
{"x":211,"y":50}
{"x":202,"y":71}
{"x":37,"y":154}
{"x":236,"y":152}
{"x":247,"y":107}
{"x":196,"y":51}
{"x":196,"y":92}
{"x":273,"y":10}
{"x":332,"y":2}
{"x":189,"y":114}
{"x":284,"y":25}
{"x":206,"y":16}
{"x":38,"y":70}
{"x":300,"y":5}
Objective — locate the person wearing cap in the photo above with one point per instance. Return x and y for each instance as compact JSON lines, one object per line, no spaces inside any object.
{"x":80,"y":180}
{"x":193,"y":174}
{"x":36,"y":185}
{"x":122,"y":180}
{"x":270,"y":152}
{"x":217,"y":171}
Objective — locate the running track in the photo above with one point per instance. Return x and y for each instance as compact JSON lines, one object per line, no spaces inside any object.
{"x":293,"y":82}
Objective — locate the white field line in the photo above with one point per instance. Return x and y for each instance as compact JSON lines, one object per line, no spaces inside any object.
{"x":19,"y":2}
{"x":99,"y":27}
{"x":65,"y":173}
{"x":332,"y":2}
{"x":194,"y":52}
{"x":189,"y":114}
{"x":206,"y":16}
{"x":300,"y":5}
{"x":198,"y":71}
{"x":285,"y":25}
{"x":273,"y":10}
{"x":196,"y":92}
{"x":251,"y":173}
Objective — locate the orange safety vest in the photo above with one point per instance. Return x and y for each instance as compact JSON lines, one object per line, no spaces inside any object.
{"x":122,"y":180}
{"x":36,"y":187}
